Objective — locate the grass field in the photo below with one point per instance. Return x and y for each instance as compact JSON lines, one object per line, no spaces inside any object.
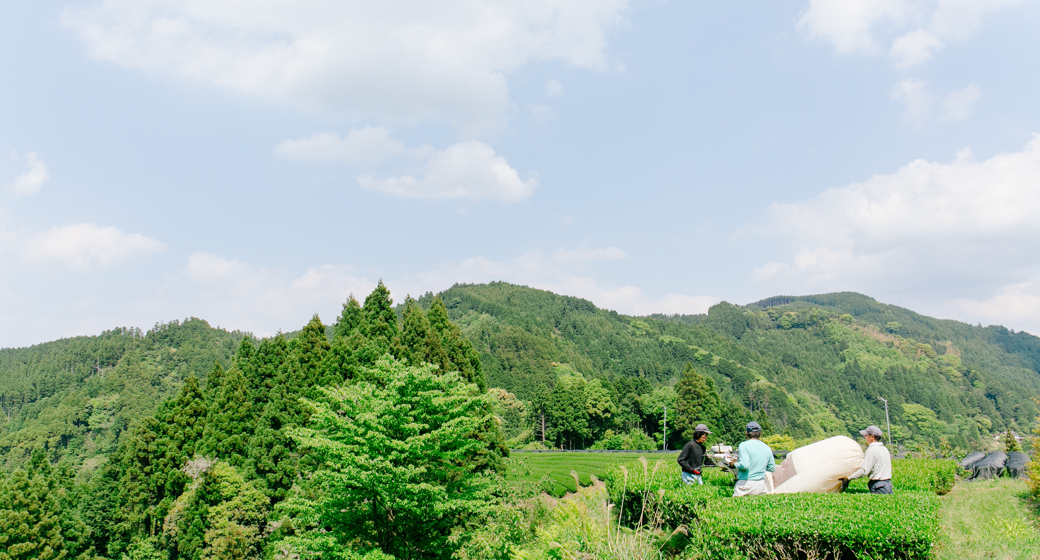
{"x":988,"y":519}
{"x":565,"y":471}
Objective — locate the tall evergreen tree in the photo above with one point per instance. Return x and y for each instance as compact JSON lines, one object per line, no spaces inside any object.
{"x":379,"y":324}
{"x":214,"y":381}
{"x":308,"y":354}
{"x":272,"y":455}
{"x":263,"y":370}
{"x":568,"y":417}
{"x":30,"y":523}
{"x":698,"y":402}
{"x":349,"y":319}
{"x":244,"y":354}
{"x":152,"y":459}
{"x":184,"y":419}
{"x":220,"y":517}
{"x":101,"y":509}
{"x":231,"y":421}
{"x":419,"y":342}
{"x":463,"y":357}
{"x":142,"y":484}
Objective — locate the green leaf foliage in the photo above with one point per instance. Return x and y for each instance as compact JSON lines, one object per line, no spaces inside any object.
{"x":397,"y":459}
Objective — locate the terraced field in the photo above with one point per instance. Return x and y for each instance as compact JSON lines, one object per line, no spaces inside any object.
{"x":560,"y":472}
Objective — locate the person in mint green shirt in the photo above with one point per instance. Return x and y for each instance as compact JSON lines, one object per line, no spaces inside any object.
{"x":755,"y":459}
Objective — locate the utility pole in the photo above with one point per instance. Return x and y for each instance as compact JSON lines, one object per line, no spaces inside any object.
{"x":887,"y":423}
{"x":664,"y":435}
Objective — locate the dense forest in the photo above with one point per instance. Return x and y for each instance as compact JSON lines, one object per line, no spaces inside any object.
{"x":187,"y":441}
{"x":803,"y":366}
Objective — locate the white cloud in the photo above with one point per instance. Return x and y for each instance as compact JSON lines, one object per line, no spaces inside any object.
{"x":960,"y":19}
{"x":86,"y":246}
{"x":568,"y":256}
{"x":553,"y":88}
{"x":849,"y":24}
{"x":240,"y":295}
{"x":395,"y":60}
{"x":965,"y":227}
{"x":914,"y":48}
{"x":464,"y":170}
{"x":917,"y":100}
{"x":1016,"y":304}
{"x":918,"y":29}
{"x":207,"y":267}
{"x":32,"y":179}
{"x":364,"y":146}
{"x":565,"y":272}
{"x":957,"y":105}
{"x":542,"y":113}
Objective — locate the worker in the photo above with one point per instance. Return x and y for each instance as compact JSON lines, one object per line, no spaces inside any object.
{"x":755,"y":459}
{"x":691,"y":459}
{"x":877,"y":463}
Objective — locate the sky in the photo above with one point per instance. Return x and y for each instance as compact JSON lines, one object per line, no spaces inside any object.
{"x":254,"y":162}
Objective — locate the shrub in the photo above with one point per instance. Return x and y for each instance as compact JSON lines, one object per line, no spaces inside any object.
{"x":816,"y":525}
{"x":633,"y":439}
{"x":635,"y":489}
{"x":565,"y":480}
{"x":549,"y":485}
{"x":1033,"y":470}
{"x":643,"y":492}
{"x":851,"y":525}
{"x":924,"y":475}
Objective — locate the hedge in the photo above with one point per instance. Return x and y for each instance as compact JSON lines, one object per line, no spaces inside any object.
{"x":903,"y":526}
{"x":850,"y":525}
{"x":917,"y":475}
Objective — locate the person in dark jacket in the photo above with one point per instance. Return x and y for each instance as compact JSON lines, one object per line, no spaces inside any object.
{"x":691,"y":459}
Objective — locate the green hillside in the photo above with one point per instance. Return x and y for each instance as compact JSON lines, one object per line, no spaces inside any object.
{"x":76,"y":396}
{"x":809,"y":366}
{"x":192,"y":442}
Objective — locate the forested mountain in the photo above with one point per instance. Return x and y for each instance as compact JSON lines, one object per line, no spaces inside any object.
{"x":808,"y":366}
{"x":78,"y":395}
{"x":255,"y":447}
{"x":192,"y":442}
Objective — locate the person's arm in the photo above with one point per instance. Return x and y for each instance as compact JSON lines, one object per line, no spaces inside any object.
{"x":868,"y":464}
{"x":744,"y":459}
{"x":684,"y":458}
{"x":771,"y":464}
{"x":697,"y":457}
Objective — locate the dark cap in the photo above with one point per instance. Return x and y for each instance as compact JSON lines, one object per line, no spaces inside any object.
{"x":753,"y":427}
{"x":702,"y":428}
{"x":871,"y":431}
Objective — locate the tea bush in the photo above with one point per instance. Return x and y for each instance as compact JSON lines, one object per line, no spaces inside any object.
{"x":635,"y":488}
{"x":851,"y":525}
{"x":816,"y":525}
{"x":924,"y":475}
{"x":917,"y":475}
{"x":549,"y":485}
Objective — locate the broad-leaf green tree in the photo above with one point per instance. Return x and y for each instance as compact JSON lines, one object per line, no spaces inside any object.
{"x":397,"y":460}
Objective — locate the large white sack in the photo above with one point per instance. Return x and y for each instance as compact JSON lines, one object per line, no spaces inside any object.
{"x":819,"y":467}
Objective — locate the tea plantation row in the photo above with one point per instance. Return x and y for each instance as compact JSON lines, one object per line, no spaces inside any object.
{"x":646,"y":492}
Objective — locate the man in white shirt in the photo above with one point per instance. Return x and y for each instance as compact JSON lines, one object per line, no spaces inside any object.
{"x":877,"y":463}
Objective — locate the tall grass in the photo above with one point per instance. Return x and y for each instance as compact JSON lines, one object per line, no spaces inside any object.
{"x":588,"y":526}
{"x":989,"y":519}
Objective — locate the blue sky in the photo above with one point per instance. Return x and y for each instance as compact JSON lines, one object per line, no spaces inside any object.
{"x":255,"y":162}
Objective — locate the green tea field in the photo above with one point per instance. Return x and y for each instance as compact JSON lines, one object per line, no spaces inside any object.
{"x":560,"y":472}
